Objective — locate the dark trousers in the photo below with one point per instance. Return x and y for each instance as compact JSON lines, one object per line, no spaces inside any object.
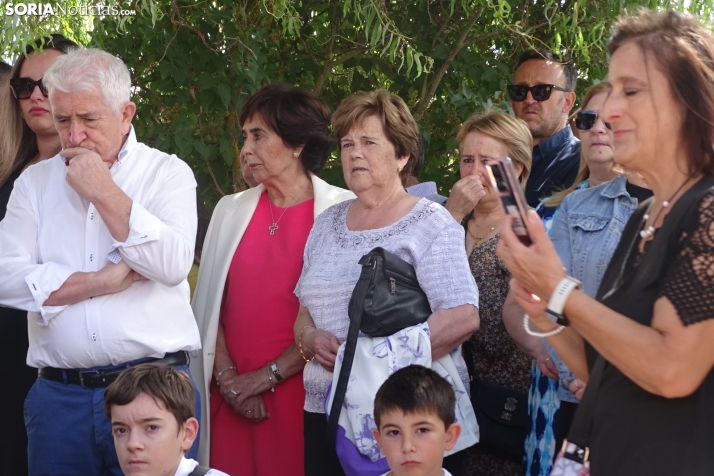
{"x":69,"y":434}
{"x":17,"y":380}
{"x":321,"y":459}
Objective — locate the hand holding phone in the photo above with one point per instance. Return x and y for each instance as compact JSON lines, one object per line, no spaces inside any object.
{"x":504,"y":179}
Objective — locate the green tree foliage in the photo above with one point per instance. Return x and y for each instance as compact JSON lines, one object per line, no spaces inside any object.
{"x":195,"y":62}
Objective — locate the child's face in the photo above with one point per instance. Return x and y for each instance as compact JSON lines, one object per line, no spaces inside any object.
{"x":148,"y":439}
{"x":414,"y":444}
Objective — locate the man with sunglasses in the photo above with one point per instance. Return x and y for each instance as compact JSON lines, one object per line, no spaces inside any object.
{"x":96,"y":246}
{"x":542,"y":95}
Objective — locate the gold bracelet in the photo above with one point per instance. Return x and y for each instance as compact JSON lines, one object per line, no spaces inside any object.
{"x":300,"y":345}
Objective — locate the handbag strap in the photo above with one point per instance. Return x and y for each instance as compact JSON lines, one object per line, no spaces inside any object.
{"x":355,"y":314}
{"x":200,"y":471}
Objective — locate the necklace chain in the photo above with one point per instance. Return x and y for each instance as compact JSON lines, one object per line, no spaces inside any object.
{"x":649,"y":231}
{"x":479,"y":239}
{"x":274,"y":227}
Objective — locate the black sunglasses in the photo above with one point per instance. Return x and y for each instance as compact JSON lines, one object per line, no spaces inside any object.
{"x":22,"y":88}
{"x":540,"y":92}
{"x":585,"y":120}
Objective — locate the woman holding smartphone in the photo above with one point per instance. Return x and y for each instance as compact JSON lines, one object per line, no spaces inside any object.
{"x":644,"y":343}
{"x":585,"y":229}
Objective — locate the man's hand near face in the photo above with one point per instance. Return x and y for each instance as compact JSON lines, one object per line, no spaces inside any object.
{"x":89,"y":176}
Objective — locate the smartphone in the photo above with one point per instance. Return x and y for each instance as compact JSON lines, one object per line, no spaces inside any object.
{"x":505,"y":181}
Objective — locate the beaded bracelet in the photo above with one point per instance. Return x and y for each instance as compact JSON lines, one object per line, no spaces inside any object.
{"x":528,"y":330}
{"x":300,"y":344}
{"x":232,"y":367}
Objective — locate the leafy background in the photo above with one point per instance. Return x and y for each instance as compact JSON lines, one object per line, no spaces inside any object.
{"x":193,"y":63}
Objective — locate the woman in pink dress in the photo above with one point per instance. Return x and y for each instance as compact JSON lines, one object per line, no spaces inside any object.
{"x":245,"y":303}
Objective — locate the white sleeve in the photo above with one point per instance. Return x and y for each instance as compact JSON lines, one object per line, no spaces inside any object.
{"x":24,"y":283}
{"x":162,"y":232}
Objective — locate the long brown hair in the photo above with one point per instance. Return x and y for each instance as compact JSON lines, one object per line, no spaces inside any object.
{"x":684,"y":52}
{"x":557,"y":198}
{"x":18,"y":144}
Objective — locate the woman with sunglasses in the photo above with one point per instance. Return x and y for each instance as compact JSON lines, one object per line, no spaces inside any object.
{"x":28,"y":135}
{"x":585,"y":227}
{"x":644,"y":344}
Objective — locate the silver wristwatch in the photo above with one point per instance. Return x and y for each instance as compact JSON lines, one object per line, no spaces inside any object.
{"x":276,"y":371}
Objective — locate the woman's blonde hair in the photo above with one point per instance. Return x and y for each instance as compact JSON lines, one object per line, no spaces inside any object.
{"x":399,"y":125}
{"x":557,"y":198}
{"x":512,"y":132}
{"x":18,"y":144}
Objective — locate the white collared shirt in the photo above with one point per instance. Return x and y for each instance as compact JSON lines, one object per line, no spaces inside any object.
{"x":188,"y":465}
{"x":50,"y":232}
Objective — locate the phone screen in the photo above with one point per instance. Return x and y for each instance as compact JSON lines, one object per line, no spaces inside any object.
{"x":505,"y":181}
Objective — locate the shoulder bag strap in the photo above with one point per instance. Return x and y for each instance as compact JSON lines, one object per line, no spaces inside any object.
{"x":355,"y":313}
{"x":199,"y":471}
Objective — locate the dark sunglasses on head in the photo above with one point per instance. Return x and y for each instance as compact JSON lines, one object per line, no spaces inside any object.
{"x":22,"y":88}
{"x":540,"y":92}
{"x":585,"y":120}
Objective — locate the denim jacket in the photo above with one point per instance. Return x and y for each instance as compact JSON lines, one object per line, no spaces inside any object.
{"x":585,"y":233}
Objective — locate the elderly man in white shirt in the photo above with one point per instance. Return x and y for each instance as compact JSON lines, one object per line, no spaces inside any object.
{"x":96,"y":245}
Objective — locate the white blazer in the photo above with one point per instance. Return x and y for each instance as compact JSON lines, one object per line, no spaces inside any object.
{"x":228,"y":223}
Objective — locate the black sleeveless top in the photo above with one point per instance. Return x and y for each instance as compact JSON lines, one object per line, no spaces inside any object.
{"x":629,"y":430}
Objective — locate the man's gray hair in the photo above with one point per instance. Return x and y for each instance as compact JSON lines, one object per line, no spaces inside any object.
{"x":89,"y":69}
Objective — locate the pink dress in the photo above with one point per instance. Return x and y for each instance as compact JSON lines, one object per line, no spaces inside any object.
{"x":258,"y":314}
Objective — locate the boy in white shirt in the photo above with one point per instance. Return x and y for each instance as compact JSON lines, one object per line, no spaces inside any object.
{"x":151,"y":408}
{"x":414,"y":414}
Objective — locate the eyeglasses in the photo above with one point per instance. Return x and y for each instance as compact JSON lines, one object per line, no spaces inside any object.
{"x":540,"y":92}
{"x":585,"y":120}
{"x":23,"y":88}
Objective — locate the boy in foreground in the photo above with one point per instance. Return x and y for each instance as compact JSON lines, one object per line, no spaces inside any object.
{"x":414,"y":414}
{"x":151,"y":408}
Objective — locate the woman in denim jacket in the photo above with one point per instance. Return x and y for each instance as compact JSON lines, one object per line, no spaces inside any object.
{"x":585,"y":229}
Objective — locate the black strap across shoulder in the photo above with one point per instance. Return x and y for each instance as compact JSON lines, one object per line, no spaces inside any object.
{"x":386,"y":299}
{"x":355,"y":313}
{"x":199,"y":471}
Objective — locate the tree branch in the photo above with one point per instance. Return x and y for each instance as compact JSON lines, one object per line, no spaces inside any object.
{"x":320,"y":83}
{"x":424,"y":100}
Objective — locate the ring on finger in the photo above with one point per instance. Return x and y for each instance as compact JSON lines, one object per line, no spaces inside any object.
{"x":547,"y":359}
{"x":234,"y":392}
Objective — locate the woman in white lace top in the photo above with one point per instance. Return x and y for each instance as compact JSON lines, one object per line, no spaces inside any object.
{"x":379,"y":140}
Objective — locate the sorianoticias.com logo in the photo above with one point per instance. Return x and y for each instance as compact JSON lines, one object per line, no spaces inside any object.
{"x":45,"y":9}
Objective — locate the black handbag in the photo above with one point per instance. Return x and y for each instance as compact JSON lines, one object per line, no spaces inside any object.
{"x":501,"y":413}
{"x":386,"y":299}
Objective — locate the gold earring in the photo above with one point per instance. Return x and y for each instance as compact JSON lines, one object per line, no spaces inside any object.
{"x":400,"y":168}
{"x":295,"y":154}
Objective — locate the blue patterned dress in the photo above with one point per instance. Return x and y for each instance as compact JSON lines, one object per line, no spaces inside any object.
{"x":543,"y":402}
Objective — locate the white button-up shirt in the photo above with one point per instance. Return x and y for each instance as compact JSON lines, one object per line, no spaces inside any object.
{"x":50,"y":232}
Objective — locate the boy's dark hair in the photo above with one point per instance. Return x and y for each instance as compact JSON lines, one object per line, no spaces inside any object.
{"x":571,"y":76}
{"x":413,"y":389}
{"x":164,"y":384}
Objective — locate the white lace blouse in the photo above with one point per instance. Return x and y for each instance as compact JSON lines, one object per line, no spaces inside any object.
{"x":427,"y":237}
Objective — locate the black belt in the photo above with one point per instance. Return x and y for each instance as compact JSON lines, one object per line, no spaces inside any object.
{"x":102,"y":378}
